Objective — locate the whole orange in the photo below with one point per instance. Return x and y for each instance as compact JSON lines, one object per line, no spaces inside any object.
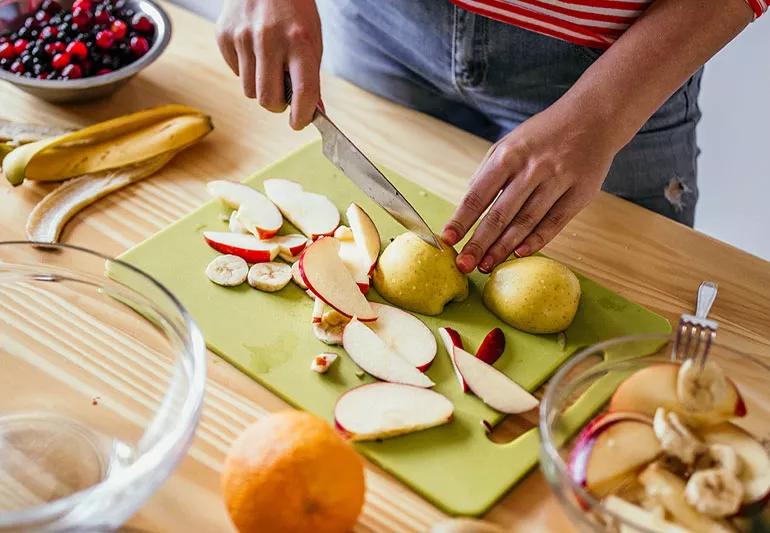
{"x":289,"y":472}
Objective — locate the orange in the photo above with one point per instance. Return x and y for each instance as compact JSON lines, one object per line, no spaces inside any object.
{"x":290,"y":472}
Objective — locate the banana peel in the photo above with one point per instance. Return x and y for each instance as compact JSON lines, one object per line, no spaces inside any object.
{"x":112,"y":144}
{"x":49,"y":216}
{"x":14,"y":134}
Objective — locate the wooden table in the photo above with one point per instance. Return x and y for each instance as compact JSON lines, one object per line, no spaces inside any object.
{"x":639,"y":254}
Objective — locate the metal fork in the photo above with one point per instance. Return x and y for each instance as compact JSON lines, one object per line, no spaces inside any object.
{"x":696,"y":330}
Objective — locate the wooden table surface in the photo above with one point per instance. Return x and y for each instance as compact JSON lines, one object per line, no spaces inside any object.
{"x":641,"y":255}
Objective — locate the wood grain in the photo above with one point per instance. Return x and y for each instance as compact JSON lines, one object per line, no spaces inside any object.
{"x":641,"y":255}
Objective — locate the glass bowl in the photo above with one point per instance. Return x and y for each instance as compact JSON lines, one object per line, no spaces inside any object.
{"x":101,"y":388}
{"x":602,"y":368}
{"x":12,"y":15}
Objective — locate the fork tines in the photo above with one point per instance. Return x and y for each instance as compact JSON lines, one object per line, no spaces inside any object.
{"x":693,"y":340}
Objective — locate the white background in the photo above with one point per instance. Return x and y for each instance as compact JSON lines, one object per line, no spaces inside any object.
{"x":734,"y":167}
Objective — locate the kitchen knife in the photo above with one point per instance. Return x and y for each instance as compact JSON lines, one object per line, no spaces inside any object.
{"x":356,"y":166}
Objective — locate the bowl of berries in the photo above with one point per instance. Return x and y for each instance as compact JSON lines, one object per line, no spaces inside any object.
{"x":674,"y":445}
{"x":69,"y":51}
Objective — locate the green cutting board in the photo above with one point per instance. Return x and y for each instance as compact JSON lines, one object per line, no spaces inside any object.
{"x":268,"y":336}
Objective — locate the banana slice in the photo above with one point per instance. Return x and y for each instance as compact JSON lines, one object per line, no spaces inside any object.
{"x":270,"y":276}
{"x":234,"y":225}
{"x":675,"y":437}
{"x":322,"y":362}
{"x":720,"y":457}
{"x":297,"y":277}
{"x":329,"y":329}
{"x":714,"y":492}
{"x":701,"y":388}
{"x":227,"y":270}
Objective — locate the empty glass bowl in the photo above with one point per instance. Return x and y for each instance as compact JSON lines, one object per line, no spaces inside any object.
{"x":589,"y":369}
{"x":102,"y":374}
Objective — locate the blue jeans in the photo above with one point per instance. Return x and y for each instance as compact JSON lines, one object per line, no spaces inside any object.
{"x":487,"y":77}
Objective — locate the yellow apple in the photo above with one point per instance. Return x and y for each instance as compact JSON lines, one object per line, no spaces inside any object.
{"x":413,"y":275}
{"x":534,"y":294}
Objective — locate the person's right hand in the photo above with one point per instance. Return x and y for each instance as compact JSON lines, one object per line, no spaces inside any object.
{"x":262,"y":39}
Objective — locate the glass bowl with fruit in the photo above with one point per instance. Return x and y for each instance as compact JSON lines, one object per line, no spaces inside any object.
{"x":68,"y":51}
{"x":672,"y":447}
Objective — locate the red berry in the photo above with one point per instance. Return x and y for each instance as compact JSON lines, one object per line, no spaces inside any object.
{"x":44,"y":75}
{"x":41,"y":17}
{"x":142,"y":23}
{"x":103,"y":71}
{"x":54,"y":48}
{"x":101,"y":16}
{"x":139,"y":46}
{"x":77,"y":49}
{"x":119,"y":29}
{"x":17,"y":67}
{"x":81,"y":17}
{"x":81,"y":4}
{"x":20,"y":45}
{"x":49,"y":32}
{"x":7,"y":51}
{"x":72,"y":72}
{"x":105,"y":39}
{"x":60,"y":61}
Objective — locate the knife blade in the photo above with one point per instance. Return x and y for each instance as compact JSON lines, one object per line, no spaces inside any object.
{"x":360,"y":170}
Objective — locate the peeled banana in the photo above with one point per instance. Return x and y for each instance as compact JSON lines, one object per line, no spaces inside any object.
{"x":115,"y":143}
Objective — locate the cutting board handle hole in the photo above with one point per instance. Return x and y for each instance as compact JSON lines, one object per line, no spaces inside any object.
{"x":511,"y":428}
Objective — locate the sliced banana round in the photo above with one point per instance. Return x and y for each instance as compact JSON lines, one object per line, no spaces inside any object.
{"x":330,"y":334}
{"x":297,"y":277}
{"x":675,"y":437}
{"x":701,"y":388}
{"x":720,"y":457}
{"x":270,"y":276}
{"x":714,"y":492}
{"x":227,"y":270}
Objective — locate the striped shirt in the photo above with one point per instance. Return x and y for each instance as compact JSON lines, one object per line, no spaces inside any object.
{"x":594,"y":23}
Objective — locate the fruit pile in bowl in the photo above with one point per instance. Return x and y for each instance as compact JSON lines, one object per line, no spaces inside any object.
{"x":679,"y":447}
{"x":96,"y":43}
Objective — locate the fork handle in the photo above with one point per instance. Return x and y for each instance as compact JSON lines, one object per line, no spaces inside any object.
{"x":707,"y":293}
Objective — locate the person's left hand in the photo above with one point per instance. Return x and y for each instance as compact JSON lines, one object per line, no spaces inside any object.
{"x":546,"y":171}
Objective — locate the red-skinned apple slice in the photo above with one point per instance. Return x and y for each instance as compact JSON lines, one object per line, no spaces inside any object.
{"x":405,"y":334}
{"x":492,"y":347}
{"x":382,"y":410}
{"x":326,"y":276}
{"x":292,"y":244}
{"x":655,"y":386}
{"x":259,"y":215}
{"x":451,"y":338}
{"x":374,"y":357}
{"x":754,"y":473}
{"x":313,"y":214}
{"x":610,"y":450}
{"x":318,"y":310}
{"x":245,"y":246}
{"x":355,"y":263}
{"x":365,"y":234}
{"x":493,"y":387}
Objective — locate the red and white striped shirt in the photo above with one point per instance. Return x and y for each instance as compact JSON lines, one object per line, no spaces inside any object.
{"x":594,"y":23}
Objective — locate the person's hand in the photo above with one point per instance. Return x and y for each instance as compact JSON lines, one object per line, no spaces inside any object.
{"x":262,"y":39}
{"x":545,"y":172}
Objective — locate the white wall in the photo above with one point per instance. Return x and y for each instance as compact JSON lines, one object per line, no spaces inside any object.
{"x":734,"y":167}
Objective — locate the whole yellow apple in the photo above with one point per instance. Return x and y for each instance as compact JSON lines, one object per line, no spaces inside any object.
{"x":534,"y":294}
{"x":413,"y":275}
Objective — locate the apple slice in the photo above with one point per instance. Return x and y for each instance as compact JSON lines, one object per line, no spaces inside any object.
{"x":245,"y":246}
{"x":639,"y":516}
{"x":260,"y":216}
{"x":318,"y":310}
{"x":610,"y":450}
{"x":492,"y":347}
{"x":754,"y":459}
{"x":291,"y":244}
{"x":296,"y":276}
{"x":325,"y":275}
{"x":382,"y":410}
{"x":655,"y":386}
{"x":291,"y":259}
{"x":668,"y":490}
{"x":365,"y":234}
{"x":493,"y":387}
{"x":450,"y":338}
{"x":313,"y":214}
{"x":374,"y":357}
{"x":405,"y":334}
{"x":343,"y":233}
{"x":355,"y":263}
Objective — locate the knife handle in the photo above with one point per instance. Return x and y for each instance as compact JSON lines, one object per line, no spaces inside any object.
{"x":288,"y":93}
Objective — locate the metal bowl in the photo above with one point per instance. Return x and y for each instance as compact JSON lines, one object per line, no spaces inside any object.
{"x":12,"y":15}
